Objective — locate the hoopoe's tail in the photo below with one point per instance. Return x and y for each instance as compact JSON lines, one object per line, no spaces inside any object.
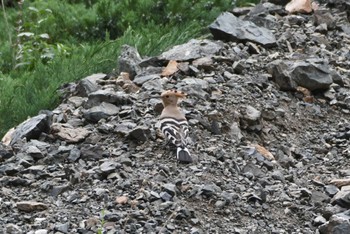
{"x":183,"y":155}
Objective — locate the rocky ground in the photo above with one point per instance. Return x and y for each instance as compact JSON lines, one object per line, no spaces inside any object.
{"x":269,"y":109}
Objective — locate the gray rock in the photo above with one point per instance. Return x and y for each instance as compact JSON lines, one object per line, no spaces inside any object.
{"x":250,"y":118}
{"x":279,"y":2}
{"x":230,"y":28}
{"x":57,"y":190}
{"x":10,"y":169}
{"x":195,"y":90}
{"x":74,"y":154}
{"x":140,"y":133}
{"x":41,"y":231}
{"x":253,"y":170}
{"x":12,"y":228}
{"x":220,"y":204}
{"x":5,"y":152}
{"x":312,"y":74}
{"x":92,"y":152}
{"x":210,"y":190}
{"x":166,"y":196}
{"x":337,"y":78}
{"x":324,"y":17}
{"x":319,"y":220}
{"x":153,"y":85}
{"x":318,"y":197}
{"x":295,"y":19}
{"x":278,"y":175}
{"x":31,"y":128}
{"x":34,"y":152}
{"x":203,"y":84}
{"x":108,"y":167}
{"x":102,"y":111}
{"x":280,"y":73}
{"x":338,"y":223}
{"x":124,"y":128}
{"x":171,"y":189}
{"x":141,"y":79}
{"x":235,"y":132}
{"x":107,"y":95}
{"x":269,"y":22}
{"x":125,"y":161}
{"x":342,"y":198}
{"x":331,"y":190}
{"x":251,"y":114}
{"x":193,"y":49}
{"x":266,"y":9}
{"x":89,"y":84}
{"x":129,"y":60}
{"x":62,"y":227}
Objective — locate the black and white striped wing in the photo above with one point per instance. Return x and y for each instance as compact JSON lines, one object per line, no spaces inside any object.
{"x":175,"y":130}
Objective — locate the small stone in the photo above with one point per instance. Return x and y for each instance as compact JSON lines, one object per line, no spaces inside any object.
{"x":12,"y":228}
{"x":102,"y":111}
{"x":165,"y":196}
{"x":342,"y":198}
{"x":89,"y":84}
{"x":108,"y":167}
{"x":192,"y":50}
{"x":129,"y":60}
{"x":122,"y":200}
{"x":62,"y":227}
{"x":220,"y":204}
{"x":29,"y":206}
{"x":319,"y":220}
{"x":338,"y":223}
{"x":140,"y":133}
{"x":41,"y":231}
{"x":171,"y":189}
{"x":230,"y":28}
{"x":278,"y":175}
{"x":31,"y":128}
{"x":331,"y":190}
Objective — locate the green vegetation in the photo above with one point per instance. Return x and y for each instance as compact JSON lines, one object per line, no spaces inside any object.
{"x":46,"y":43}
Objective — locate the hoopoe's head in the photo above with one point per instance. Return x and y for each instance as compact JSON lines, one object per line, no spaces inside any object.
{"x":170,"y":97}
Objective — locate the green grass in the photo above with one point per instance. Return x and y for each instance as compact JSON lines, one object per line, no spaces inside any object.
{"x":26,"y":91}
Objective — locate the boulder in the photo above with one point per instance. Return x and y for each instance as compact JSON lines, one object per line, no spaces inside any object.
{"x":31,"y":128}
{"x":193,"y":49}
{"x":129,"y":60}
{"x":228,"y":27}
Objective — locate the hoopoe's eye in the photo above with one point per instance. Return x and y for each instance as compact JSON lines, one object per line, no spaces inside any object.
{"x":167,"y":96}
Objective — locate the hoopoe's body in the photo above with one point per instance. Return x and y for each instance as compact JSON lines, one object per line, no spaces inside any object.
{"x":174,"y":125}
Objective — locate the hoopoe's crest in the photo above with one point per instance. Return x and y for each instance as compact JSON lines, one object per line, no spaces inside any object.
{"x":174,"y":125}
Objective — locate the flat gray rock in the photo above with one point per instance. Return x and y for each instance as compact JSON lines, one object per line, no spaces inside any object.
{"x":31,"y":128}
{"x":342,"y":198}
{"x":129,"y":60}
{"x":193,"y":49}
{"x":338,"y":223}
{"x":89,"y":84}
{"x":107,"y":95}
{"x":228,"y":27}
{"x":313,"y":74}
{"x":102,"y":111}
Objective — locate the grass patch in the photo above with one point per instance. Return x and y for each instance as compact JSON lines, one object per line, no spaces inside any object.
{"x":72,"y":39}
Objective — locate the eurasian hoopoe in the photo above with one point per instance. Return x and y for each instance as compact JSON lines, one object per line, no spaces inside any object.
{"x":173,"y":124}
